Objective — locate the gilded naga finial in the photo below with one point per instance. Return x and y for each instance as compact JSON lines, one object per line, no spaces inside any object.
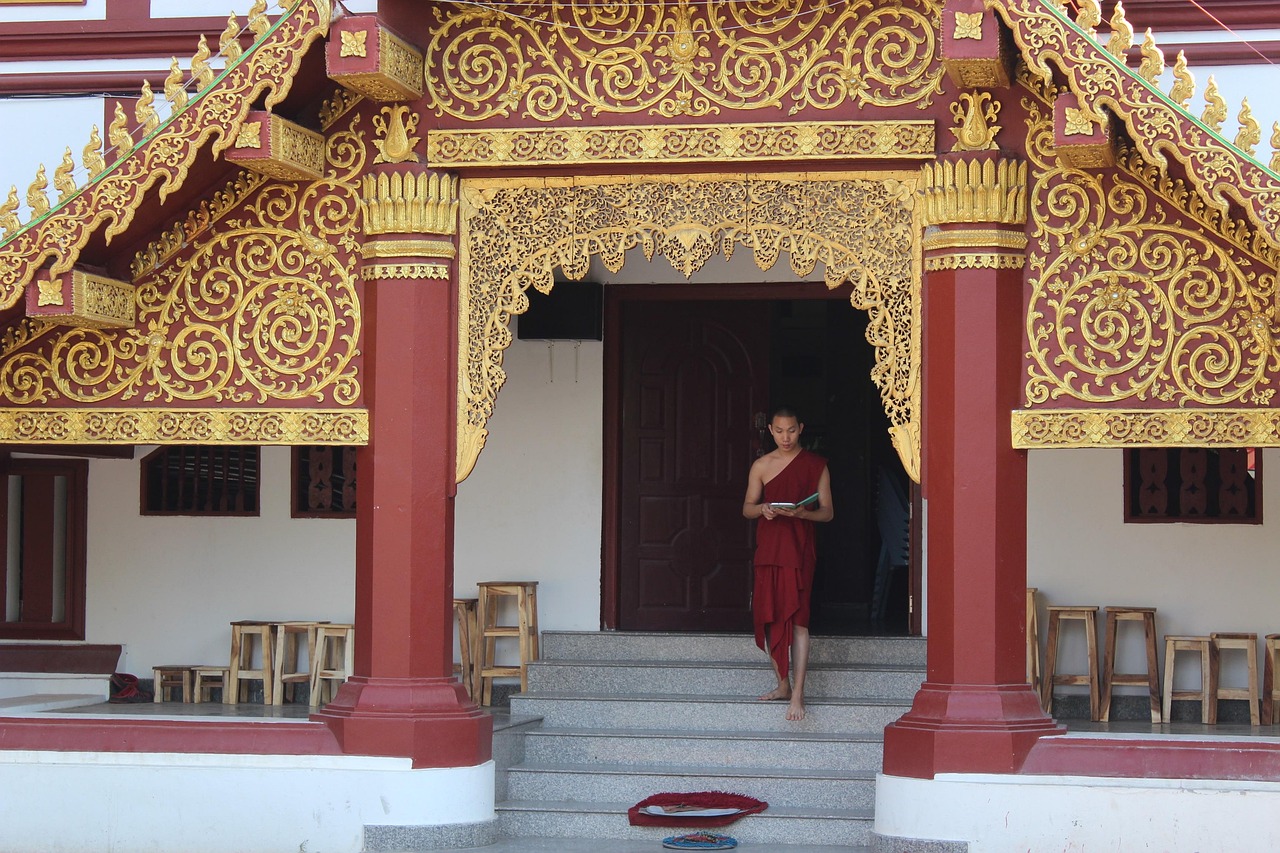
{"x":36,"y":199}
{"x":258,"y":20}
{"x":94,"y":164}
{"x":118,"y":132}
{"x":200,"y":70}
{"x":1089,"y":16}
{"x":144,"y":111}
{"x":1215,"y":107}
{"x":62,"y":180}
{"x":229,"y":41}
{"x":976,"y":113}
{"x":1121,"y":33}
{"x":9,"y":221}
{"x":1249,"y":134}
{"x":1184,"y":82}
{"x":174,"y":92}
{"x":1152,"y":65}
{"x":1275,"y":147}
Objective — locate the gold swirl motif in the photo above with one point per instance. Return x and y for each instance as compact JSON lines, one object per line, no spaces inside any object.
{"x":185,"y":426}
{"x":861,"y":227}
{"x":263,"y":311}
{"x":561,"y":60}
{"x":1135,"y":296}
{"x":1160,"y":428}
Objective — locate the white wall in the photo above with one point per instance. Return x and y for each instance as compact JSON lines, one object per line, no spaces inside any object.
{"x":168,"y":586}
{"x":1201,"y":577}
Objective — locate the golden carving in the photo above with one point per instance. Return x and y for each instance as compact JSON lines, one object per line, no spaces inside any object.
{"x":1184,"y":82}
{"x":118,"y":132}
{"x":409,"y":249}
{"x":394,"y":127}
{"x":1121,"y":38}
{"x":229,"y":41}
{"x":353,"y":43}
{"x":862,"y":228}
{"x":201,"y":71}
{"x":978,"y":190}
{"x":144,"y":110}
{"x":974,"y":261}
{"x":969,"y":25}
{"x":1135,"y":293}
{"x":259,"y":23}
{"x":1215,"y":107}
{"x":49,"y":291}
{"x":373,"y":272}
{"x":337,"y":105}
{"x":1158,"y":428}
{"x":683,"y":143}
{"x":263,"y":311}
{"x":562,"y":60}
{"x":1275,"y":147}
{"x":250,"y":135}
{"x":1079,"y":123}
{"x":977,"y":238}
{"x":154,"y":168}
{"x":198,"y":220}
{"x":174,"y":92}
{"x":96,"y":301}
{"x":9,"y":222}
{"x":397,"y":75}
{"x":411,"y":203}
{"x":36,"y":198}
{"x":1152,"y":64}
{"x":91,"y":154}
{"x":1249,"y":133}
{"x":976,"y":113}
{"x":1089,"y":15}
{"x":183,"y":426}
{"x":62,"y":180}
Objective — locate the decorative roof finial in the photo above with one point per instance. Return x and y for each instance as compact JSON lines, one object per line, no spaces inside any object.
{"x":1215,"y":107}
{"x":258,"y":20}
{"x":1249,"y":134}
{"x":94,"y":164}
{"x":229,"y":41}
{"x":36,"y":199}
{"x":144,"y":111}
{"x":1152,"y":65}
{"x":1089,"y":16}
{"x":174,"y":92}
{"x":118,"y":132}
{"x":62,"y":180}
{"x":9,"y":221}
{"x":200,"y":70}
{"x":1121,"y":33}
{"x":1275,"y":147}
{"x":1184,"y":82}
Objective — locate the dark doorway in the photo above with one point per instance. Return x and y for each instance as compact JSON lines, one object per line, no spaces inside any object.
{"x":690,"y":372}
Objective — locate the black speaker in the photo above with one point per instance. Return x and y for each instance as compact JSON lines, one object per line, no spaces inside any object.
{"x":572,"y":311}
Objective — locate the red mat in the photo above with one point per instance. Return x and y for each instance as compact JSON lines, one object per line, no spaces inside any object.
{"x":684,"y":809}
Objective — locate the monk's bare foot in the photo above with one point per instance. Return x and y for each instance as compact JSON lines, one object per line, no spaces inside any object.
{"x":795,"y":710}
{"x":776,"y":693}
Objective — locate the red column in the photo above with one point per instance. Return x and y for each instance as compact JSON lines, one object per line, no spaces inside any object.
{"x":975,"y":712}
{"x":403,"y":699}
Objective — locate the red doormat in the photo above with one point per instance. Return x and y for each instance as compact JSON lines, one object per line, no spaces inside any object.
{"x":700,"y":808}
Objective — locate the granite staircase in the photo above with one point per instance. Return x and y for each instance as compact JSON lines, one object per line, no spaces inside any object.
{"x":616,"y":717}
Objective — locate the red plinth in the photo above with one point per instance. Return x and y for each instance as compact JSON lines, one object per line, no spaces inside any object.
{"x":975,"y":713}
{"x":403,"y":699}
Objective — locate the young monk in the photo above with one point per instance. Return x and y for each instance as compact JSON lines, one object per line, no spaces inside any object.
{"x":785,"y":552}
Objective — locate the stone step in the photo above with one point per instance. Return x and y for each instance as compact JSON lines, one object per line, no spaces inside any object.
{"x":740,"y":749}
{"x":637,"y":646}
{"x":706,"y":713}
{"x":776,"y":825}
{"x":719,"y":678}
{"x":526,"y":844}
{"x":824,"y":789}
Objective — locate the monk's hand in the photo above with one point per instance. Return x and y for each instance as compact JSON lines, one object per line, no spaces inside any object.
{"x":769,"y":513}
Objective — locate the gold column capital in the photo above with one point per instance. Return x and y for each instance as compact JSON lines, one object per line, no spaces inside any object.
{"x":974,"y":187}
{"x":408,"y":198}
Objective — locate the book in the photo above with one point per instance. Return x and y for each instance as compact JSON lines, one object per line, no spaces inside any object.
{"x":809,"y":501}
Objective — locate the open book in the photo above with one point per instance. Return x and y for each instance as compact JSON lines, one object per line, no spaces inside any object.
{"x":809,"y":501}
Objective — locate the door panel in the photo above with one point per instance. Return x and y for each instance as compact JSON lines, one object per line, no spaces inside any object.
{"x":694,"y":375}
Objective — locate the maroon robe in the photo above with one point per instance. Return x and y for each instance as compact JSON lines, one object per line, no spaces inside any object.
{"x":785,"y":557}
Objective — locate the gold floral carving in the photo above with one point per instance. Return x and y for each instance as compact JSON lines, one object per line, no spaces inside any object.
{"x":982,"y":189}
{"x":1079,"y":123}
{"x":353,"y":43}
{"x":969,"y":25}
{"x":106,"y":205}
{"x":409,"y":249}
{"x":398,"y":76}
{"x":1159,"y":428}
{"x":684,"y":143}
{"x":976,"y":238}
{"x":975,"y":113}
{"x":520,"y":234}
{"x":1158,"y":128}
{"x":416,"y":202}
{"x":548,"y":61}
{"x":250,"y":135}
{"x":395,"y":141}
{"x":184,"y":426}
{"x":337,"y":105}
{"x":263,"y":311}
{"x":199,"y":220}
{"x":974,"y":261}
{"x":1139,"y":291}
{"x":294,"y":153}
{"x":373,"y":272}
{"x":96,"y":301}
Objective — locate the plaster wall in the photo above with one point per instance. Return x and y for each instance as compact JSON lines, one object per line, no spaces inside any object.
{"x":1201,"y":577}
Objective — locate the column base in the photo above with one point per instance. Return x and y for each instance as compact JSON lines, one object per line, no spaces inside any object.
{"x":429,"y":720}
{"x":966,"y":728}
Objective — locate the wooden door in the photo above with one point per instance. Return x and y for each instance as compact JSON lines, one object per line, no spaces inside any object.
{"x":694,"y":382}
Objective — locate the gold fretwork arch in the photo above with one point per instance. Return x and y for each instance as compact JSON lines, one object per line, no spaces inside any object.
{"x":861,"y":226}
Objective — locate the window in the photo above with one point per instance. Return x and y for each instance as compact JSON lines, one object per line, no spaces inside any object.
{"x":1193,"y":484}
{"x":324,"y":482}
{"x":44,"y":545}
{"x":195,"y":480}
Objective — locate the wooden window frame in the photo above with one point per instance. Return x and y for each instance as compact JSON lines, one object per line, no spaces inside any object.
{"x":297,"y":485}
{"x":144,"y":491}
{"x":1131,"y":482}
{"x":72,"y":625}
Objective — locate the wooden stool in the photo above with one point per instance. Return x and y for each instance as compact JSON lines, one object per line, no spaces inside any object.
{"x":1208,"y":675}
{"x":286,"y":672}
{"x":335,"y":658}
{"x":1270,"y":693}
{"x":171,"y":676}
{"x":526,"y":631}
{"x":1247,"y":643}
{"x":1087,"y":615}
{"x":1033,"y":642}
{"x":205,"y":678}
{"x":1150,"y":679}
{"x":466,"y":612}
{"x":243,"y":634}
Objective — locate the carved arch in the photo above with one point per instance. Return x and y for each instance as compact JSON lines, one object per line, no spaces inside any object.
{"x":861,"y":226}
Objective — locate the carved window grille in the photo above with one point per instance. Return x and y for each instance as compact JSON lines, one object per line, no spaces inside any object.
{"x":324,"y":482}
{"x":44,"y":507}
{"x":1193,"y":484}
{"x":196,"y":480}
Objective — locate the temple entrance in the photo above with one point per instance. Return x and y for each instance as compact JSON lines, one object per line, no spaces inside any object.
{"x":691,"y":380}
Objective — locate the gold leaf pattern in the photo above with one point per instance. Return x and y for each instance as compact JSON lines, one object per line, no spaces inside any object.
{"x":969,"y":25}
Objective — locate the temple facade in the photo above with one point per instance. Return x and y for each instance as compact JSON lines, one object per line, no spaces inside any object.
{"x":536,"y":272}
